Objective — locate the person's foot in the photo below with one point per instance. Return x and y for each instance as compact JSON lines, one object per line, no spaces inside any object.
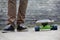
{"x":9,"y":28}
{"x":19,"y":28}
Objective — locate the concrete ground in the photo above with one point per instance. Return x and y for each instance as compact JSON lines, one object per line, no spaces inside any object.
{"x":31,"y":35}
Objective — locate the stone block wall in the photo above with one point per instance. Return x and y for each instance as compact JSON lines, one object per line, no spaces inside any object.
{"x":37,"y":9}
{"x":3,"y":12}
{"x":43,"y":9}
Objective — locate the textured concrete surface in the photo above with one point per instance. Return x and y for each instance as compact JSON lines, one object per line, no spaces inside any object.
{"x":47,"y":35}
{"x":31,"y":35}
{"x":37,"y":9}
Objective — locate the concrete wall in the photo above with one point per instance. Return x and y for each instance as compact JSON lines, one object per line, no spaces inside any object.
{"x":37,"y":9}
{"x":3,"y":12}
{"x":43,"y":9}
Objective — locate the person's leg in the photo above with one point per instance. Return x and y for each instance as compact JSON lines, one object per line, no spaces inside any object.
{"x":11,"y":14}
{"x":22,"y":11}
{"x":11,"y":11}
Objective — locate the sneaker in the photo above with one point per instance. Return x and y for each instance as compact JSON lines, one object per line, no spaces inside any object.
{"x":9,"y":28}
{"x":19,"y":28}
